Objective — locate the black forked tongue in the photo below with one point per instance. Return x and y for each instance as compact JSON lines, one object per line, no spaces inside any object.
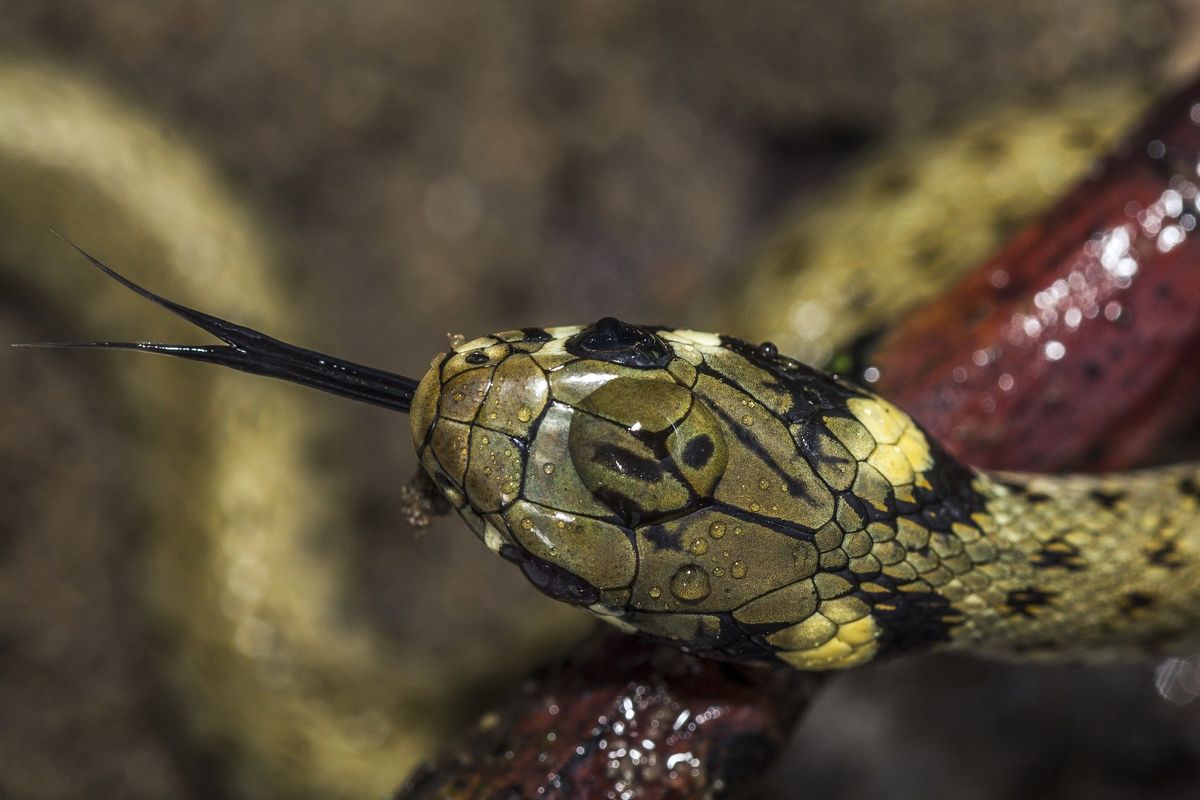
{"x":250,"y":351}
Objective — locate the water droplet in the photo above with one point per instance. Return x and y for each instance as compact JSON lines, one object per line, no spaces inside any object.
{"x":492,"y":415}
{"x":655,"y":592}
{"x":548,"y":468}
{"x":459,"y":397}
{"x":690,"y":583}
{"x":554,"y":551}
{"x":738,"y":570}
{"x":527,"y":524}
{"x":1054,"y":350}
{"x":699,"y":546}
{"x":764,"y":484}
{"x":717,"y":529}
{"x":747,"y":420}
{"x":718,"y":572}
{"x":754,"y":507}
{"x":524,"y":414}
{"x":484,"y":440}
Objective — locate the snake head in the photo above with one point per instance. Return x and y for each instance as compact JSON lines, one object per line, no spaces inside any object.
{"x":683,"y":484}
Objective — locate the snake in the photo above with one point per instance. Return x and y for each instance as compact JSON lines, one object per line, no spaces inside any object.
{"x":719,"y":495}
{"x":239,"y":397}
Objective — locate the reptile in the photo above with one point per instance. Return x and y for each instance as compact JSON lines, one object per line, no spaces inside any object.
{"x":260,"y":734}
{"x":715,"y":493}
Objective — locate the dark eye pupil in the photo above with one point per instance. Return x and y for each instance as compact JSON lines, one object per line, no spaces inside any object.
{"x":620,"y":343}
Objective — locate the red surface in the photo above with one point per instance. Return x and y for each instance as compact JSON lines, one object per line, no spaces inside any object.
{"x":1074,"y":347}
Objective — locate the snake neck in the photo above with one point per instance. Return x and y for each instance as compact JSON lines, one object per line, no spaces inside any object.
{"x":1076,"y":567}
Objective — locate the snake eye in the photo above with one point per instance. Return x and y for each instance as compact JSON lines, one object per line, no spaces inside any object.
{"x":620,"y":343}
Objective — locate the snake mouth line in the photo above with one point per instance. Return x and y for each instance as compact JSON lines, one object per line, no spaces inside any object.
{"x":251,"y":351}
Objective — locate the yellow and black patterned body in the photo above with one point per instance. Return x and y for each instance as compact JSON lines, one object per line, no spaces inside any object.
{"x":702,"y":489}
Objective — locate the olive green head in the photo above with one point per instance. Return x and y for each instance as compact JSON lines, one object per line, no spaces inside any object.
{"x":683,"y":484}
{"x":686,"y":485}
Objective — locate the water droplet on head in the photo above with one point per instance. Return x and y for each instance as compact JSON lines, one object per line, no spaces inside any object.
{"x":548,"y":468}
{"x":527,"y":524}
{"x":690,"y":583}
{"x":738,"y":570}
{"x":717,"y":529}
{"x":747,"y":420}
{"x":699,"y":547}
{"x":524,"y":414}
{"x":655,"y":592}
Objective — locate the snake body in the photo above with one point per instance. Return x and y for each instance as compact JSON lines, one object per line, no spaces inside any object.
{"x":698,"y":488}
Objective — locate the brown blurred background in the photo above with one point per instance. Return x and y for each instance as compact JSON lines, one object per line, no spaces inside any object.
{"x":416,"y":168}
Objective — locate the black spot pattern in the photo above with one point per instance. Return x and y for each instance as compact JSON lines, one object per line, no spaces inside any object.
{"x":1132,"y":601}
{"x":1059,"y":553}
{"x":1026,"y":602}
{"x":697,"y":451}
{"x":1107,"y":499}
{"x":619,"y":460}
{"x":1190,"y":487}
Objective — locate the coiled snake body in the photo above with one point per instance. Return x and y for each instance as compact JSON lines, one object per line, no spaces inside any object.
{"x":698,"y":488}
